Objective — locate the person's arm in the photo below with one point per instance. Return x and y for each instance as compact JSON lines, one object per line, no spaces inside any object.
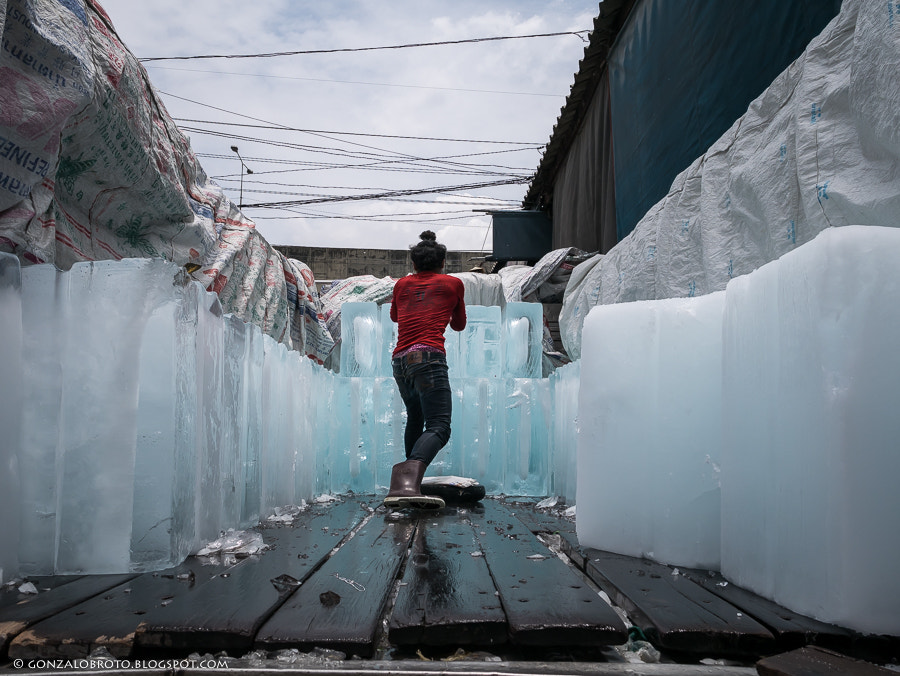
{"x":458,"y":318}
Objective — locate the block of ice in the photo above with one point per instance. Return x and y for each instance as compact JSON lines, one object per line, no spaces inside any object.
{"x":810,"y":353}
{"x":251,"y":446}
{"x":210,"y":428}
{"x":106,"y":310}
{"x":523,"y":327}
{"x":480,"y":433}
{"x":390,"y":419}
{"x":563,"y":430}
{"x":388,"y":339}
{"x":43,"y":312}
{"x":305,"y":376}
{"x":360,"y":339}
{"x":154,"y":542}
{"x":649,"y":417}
{"x":453,"y":348}
{"x":10,"y":412}
{"x":480,"y":344}
{"x":233,"y":439}
{"x":277,"y":454}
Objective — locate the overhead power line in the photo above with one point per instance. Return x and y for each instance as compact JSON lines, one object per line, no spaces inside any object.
{"x":355,"y":133}
{"x":395,"y":154}
{"x":390,"y":194}
{"x":581,"y":34}
{"x":359,"y":82}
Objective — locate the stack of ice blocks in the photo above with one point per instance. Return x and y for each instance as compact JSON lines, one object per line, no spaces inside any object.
{"x":146,"y":421}
{"x":501,"y":405}
{"x":139,"y":422}
{"x":799,"y":462}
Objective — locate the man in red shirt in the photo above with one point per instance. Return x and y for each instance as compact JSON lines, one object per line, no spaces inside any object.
{"x":423,"y":305}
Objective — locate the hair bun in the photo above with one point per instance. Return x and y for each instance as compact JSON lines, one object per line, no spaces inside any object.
{"x":428,"y":236}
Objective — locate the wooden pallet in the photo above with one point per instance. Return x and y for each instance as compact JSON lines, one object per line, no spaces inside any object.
{"x":674,"y":609}
{"x":363,"y":580}
{"x":227,"y":611}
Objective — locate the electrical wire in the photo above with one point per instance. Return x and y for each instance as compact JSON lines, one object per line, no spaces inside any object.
{"x":355,"y":133}
{"x":393,"y":193}
{"x":353,"y":143}
{"x":581,"y":34}
{"x":359,"y":82}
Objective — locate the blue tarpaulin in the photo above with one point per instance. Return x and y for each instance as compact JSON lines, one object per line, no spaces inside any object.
{"x":718,"y":57}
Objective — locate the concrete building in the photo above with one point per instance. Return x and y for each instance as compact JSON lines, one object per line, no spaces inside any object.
{"x":328,"y":264}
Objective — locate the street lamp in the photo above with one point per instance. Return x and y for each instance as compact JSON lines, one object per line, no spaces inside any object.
{"x":249,"y":171}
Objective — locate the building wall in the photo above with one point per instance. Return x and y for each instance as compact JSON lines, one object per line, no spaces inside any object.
{"x":330,"y":264}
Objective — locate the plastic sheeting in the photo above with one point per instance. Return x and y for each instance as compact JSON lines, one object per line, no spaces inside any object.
{"x":481,"y":288}
{"x":584,"y":205}
{"x":680,"y":73}
{"x":820,"y":147}
{"x":92,"y":167}
{"x":360,"y":289}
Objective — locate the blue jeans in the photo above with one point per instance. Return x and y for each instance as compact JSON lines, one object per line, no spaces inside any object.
{"x":425,"y":389}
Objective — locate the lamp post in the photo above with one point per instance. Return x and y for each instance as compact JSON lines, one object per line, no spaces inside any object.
{"x":243,"y":167}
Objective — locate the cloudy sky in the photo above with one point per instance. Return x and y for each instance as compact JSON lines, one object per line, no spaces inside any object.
{"x":327,"y":135}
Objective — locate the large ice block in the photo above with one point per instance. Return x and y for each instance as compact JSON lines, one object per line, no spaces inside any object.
{"x":306,"y":375}
{"x":523,"y":330}
{"x":208,"y":454}
{"x":10,"y":412}
{"x":107,"y":307}
{"x":649,"y":430}
{"x":360,"y":340}
{"x":564,"y":430}
{"x":480,"y":433}
{"x":480,"y":354}
{"x":155,"y":543}
{"x":388,"y":340}
{"x":277,"y":454}
{"x":254,"y":423}
{"x":809,"y":510}
{"x":43,"y":313}
{"x":389,"y":426}
{"x":234,"y":383}
{"x":526,"y":428}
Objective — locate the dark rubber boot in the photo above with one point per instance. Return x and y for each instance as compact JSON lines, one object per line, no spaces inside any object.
{"x":406,"y":488}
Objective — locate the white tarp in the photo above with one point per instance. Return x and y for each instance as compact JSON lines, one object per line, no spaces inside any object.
{"x":820,"y":147}
{"x":481,"y":288}
{"x":92,"y":167}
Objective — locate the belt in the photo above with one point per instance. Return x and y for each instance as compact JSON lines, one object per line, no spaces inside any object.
{"x":420,"y":356}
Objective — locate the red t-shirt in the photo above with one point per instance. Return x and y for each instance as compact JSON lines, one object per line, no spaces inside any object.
{"x":423,"y":305}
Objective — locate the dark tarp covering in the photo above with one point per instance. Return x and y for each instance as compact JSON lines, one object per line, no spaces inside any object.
{"x":682,"y":72}
{"x":584,"y":208}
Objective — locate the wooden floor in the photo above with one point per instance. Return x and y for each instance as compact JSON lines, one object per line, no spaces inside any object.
{"x":353,"y":577}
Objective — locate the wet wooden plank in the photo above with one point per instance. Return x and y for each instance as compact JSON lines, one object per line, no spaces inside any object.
{"x":791,"y":630}
{"x":812,"y":661}
{"x":342,"y":604}
{"x":226,"y":612}
{"x":25,"y":612}
{"x":546,"y":602}
{"x":545,"y":521}
{"x":11,"y":596}
{"x":446,"y":596}
{"x":542,"y":520}
{"x":110,"y":618}
{"x":674,"y":613}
